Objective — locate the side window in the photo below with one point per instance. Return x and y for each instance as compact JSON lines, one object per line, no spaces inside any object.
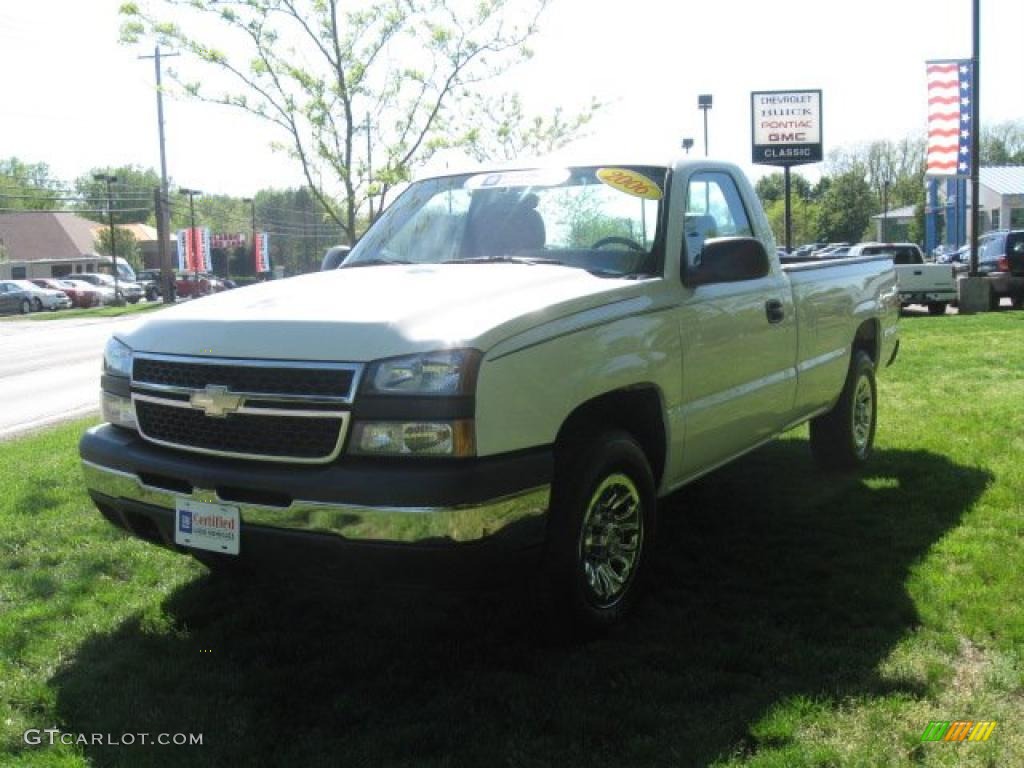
{"x":714,"y":208}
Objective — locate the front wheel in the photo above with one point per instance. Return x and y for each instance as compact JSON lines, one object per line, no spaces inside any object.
{"x":601,"y":530}
{"x":25,"y":307}
{"x":844,"y":437}
{"x":38,"y":304}
{"x":936,"y":308}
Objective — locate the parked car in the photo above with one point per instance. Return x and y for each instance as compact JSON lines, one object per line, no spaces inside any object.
{"x":932,"y":285}
{"x":14,"y":299}
{"x":1001,"y":261}
{"x":191,"y":286}
{"x":43,"y":298}
{"x":129,"y":291}
{"x":81,"y":294}
{"x":400,"y":415}
{"x":150,"y":281}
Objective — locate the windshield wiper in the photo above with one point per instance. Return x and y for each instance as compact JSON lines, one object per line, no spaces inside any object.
{"x":503,"y":260}
{"x":373,"y":263}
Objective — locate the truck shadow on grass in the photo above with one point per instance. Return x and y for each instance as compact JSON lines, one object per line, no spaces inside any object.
{"x":771,"y":581}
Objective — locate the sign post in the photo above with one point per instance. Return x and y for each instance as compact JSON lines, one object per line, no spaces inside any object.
{"x":785,"y":130}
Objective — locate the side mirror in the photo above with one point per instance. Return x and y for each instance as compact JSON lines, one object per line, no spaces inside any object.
{"x":334,"y":257}
{"x":728,"y":260}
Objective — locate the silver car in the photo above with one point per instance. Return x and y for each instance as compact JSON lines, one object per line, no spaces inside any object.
{"x":42,"y":298}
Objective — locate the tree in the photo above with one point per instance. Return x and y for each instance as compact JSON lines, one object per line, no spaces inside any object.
{"x":329,"y":80}
{"x":773,"y":187}
{"x":132,"y":194}
{"x":1003,"y":144}
{"x":804,"y":217}
{"x":845,"y":209}
{"x":27,"y":186}
{"x":127,"y":245}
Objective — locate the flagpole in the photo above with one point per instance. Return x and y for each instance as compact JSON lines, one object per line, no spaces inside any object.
{"x":975,"y":135}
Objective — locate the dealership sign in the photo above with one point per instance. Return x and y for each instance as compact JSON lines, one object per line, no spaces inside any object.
{"x":786,"y":127}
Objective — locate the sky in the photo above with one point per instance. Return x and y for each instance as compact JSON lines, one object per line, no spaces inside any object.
{"x":75,"y":98}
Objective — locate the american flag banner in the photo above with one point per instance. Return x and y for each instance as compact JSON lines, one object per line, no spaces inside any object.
{"x":194,"y":253}
{"x":950,"y":109}
{"x":262,"y":252}
{"x":182,"y":250}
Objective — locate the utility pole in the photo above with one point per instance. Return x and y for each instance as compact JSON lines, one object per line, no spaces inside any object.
{"x":252,"y":209}
{"x":113,"y":241}
{"x":369,"y":167}
{"x":193,"y":245}
{"x":163,"y":224}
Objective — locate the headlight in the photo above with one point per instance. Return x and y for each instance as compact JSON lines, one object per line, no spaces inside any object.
{"x":117,"y":358}
{"x":117,"y":410}
{"x":447,"y":372}
{"x":413,"y":438}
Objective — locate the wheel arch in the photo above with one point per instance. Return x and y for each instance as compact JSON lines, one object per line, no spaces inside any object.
{"x":868,"y":339}
{"x":638,"y":410}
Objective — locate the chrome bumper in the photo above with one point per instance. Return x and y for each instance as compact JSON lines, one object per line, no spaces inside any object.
{"x":351,"y":522}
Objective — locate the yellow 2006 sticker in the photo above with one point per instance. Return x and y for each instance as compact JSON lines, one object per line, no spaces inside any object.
{"x":630,"y":182}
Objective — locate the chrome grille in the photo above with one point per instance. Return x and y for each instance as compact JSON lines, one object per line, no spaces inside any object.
{"x":256,"y":409}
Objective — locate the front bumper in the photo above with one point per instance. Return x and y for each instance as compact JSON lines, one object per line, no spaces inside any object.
{"x":481,"y":509}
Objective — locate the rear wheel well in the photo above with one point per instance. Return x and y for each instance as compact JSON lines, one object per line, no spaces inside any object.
{"x":637,"y":410}
{"x":866,"y":340}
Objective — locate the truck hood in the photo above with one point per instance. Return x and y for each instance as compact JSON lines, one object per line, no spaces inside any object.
{"x":367,"y":313}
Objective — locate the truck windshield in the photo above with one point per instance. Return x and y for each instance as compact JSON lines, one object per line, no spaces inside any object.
{"x":602,"y":219}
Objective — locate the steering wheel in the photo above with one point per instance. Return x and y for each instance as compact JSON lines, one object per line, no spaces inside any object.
{"x":632,"y":244}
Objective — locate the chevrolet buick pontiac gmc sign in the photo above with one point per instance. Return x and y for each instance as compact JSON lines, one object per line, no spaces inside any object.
{"x":786,"y":127}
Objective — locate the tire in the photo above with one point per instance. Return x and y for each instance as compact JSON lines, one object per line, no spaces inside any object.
{"x":25,"y":307}
{"x":37,"y":304}
{"x":936,"y":308}
{"x":993,"y":301}
{"x":600,"y":532}
{"x":844,"y":437}
{"x":1017,"y":300}
{"x":134,"y":300}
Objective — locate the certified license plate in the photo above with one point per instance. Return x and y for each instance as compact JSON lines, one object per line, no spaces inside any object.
{"x":214,"y":527}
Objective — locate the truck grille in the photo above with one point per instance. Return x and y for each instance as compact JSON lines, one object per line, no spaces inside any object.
{"x":267,"y":379}
{"x":265,"y":410}
{"x":240,"y":434}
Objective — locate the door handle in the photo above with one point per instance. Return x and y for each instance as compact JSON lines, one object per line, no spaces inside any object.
{"x":774,"y":310}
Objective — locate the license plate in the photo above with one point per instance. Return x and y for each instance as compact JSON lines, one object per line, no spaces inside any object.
{"x":213,"y":527}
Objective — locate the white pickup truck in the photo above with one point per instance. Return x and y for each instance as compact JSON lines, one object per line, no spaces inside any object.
{"x":504,"y":375}
{"x":932,"y":285}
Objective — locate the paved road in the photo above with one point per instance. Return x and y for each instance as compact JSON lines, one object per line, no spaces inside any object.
{"x":50,"y":370}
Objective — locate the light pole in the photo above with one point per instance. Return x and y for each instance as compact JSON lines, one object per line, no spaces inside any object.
{"x":704,"y":104}
{"x":687,"y":144}
{"x":252,"y":209}
{"x":110,"y":217}
{"x":192,"y":232}
{"x":885,"y":210}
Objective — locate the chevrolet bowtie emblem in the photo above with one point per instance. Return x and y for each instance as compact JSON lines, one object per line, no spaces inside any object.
{"x":215,"y":400}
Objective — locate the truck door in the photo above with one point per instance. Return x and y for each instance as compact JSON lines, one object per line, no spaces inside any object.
{"x":739,"y":338}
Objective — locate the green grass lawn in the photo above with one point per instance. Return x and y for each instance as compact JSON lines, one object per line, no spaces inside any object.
{"x":127,"y":309}
{"x":796,"y":619}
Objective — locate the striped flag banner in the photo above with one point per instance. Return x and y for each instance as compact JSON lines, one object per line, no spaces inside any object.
{"x":950,"y":110}
{"x":262,"y":252}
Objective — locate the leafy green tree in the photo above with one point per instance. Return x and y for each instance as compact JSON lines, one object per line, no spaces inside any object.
{"x":28,"y":186}
{"x":131,"y":194}
{"x":127,"y":246}
{"x":1003,"y":144}
{"x":773,"y":187}
{"x":327,"y":78}
{"x":804,"y":217}
{"x":844,"y":213}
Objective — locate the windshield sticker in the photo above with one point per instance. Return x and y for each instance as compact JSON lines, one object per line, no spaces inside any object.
{"x":538,"y":177}
{"x":630,"y":182}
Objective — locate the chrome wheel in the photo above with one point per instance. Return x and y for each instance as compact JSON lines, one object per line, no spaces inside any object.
{"x":863,"y":414}
{"x":611,"y":539}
